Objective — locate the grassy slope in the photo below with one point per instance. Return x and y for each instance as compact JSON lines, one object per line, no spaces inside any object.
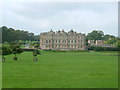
{"x":61,"y":70}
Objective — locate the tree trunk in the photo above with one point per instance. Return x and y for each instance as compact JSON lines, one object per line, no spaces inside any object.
{"x":3,"y":59}
{"x":15,"y":57}
{"x":35,"y":59}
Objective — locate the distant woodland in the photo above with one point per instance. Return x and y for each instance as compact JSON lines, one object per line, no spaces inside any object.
{"x":10,"y":35}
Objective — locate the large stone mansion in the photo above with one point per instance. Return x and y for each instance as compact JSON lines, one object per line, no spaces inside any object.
{"x":62,"y":40}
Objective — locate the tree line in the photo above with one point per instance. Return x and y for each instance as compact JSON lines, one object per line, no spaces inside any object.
{"x":99,"y":35}
{"x":10,"y":34}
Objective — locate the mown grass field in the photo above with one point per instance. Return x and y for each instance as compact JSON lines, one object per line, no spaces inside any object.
{"x":61,"y":70}
{"x":0,"y":72}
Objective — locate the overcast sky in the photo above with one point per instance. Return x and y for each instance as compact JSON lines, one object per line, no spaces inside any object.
{"x":82,"y":17}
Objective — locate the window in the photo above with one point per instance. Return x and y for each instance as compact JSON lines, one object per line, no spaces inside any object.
{"x":73,"y":46}
{"x":71,"y":41}
{"x":46,"y":41}
{"x":75,"y":41}
{"x":49,"y":41}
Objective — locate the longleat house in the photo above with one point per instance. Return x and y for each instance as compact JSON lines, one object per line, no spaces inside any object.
{"x":62,"y":40}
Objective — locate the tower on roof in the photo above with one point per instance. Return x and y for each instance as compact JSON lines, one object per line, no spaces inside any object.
{"x":50,"y":29}
{"x":71,"y":30}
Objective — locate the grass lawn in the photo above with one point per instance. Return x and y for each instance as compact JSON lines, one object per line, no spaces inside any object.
{"x":61,"y":70}
{"x":0,"y":72}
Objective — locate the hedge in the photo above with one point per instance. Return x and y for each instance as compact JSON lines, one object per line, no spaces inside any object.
{"x":24,"y":49}
{"x":104,"y":48}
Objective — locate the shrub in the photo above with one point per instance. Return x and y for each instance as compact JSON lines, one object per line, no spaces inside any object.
{"x":104,"y":48}
{"x":28,"y":49}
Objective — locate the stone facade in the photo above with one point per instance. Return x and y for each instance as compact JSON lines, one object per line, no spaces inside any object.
{"x":95,"y":43}
{"x":62,"y":40}
{"x":99,"y":43}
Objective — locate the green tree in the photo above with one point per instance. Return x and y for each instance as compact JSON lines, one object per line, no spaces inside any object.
{"x":108,"y":37}
{"x":95,"y":35}
{"x":36,"y":46}
{"x":15,"y":50}
{"x":5,"y":51}
{"x":35,"y":53}
{"x":117,"y":44}
{"x":112,"y":41}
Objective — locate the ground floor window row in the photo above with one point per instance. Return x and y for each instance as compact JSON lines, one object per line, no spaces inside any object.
{"x":63,"y":46}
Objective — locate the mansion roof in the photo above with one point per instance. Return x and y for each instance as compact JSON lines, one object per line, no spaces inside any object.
{"x":61,"y":32}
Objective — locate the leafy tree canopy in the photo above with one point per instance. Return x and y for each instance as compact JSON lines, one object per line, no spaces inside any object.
{"x":16,"y":49}
{"x":6,"y":50}
{"x":95,"y":35}
{"x":10,"y":34}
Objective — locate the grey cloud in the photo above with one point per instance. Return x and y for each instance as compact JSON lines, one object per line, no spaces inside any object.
{"x":39,"y":17}
{"x":45,"y":10}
